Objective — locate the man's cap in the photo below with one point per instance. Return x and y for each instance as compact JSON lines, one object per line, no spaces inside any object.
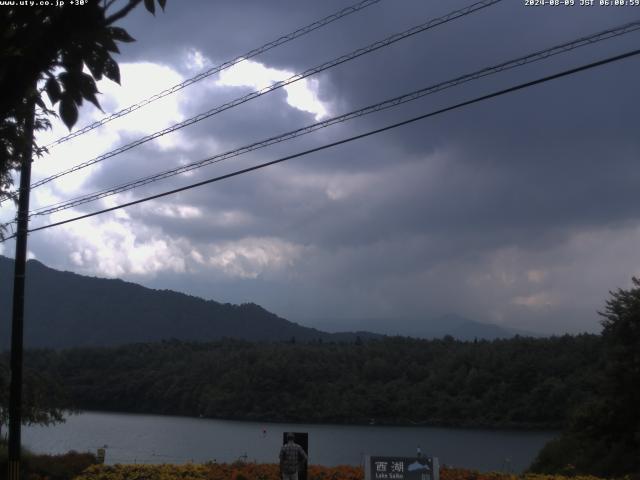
{"x":290,"y":436}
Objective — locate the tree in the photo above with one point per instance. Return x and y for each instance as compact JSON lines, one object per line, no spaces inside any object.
{"x":45,"y":49}
{"x":603,"y":437}
{"x":49,"y":49}
{"x":44,"y":400}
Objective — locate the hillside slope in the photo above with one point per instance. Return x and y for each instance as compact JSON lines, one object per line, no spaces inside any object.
{"x":65,"y":309}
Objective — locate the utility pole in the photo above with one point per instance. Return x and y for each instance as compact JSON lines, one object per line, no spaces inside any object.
{"x":17,"y":320}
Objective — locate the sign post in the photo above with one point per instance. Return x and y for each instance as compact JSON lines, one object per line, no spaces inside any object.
{"x":100,"y":455}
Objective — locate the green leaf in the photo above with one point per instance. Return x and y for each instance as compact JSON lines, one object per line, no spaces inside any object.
{"x":162,"y":3}
{"x":89,"y":89}
{"x":53,"y":90}
{"x":120,"y":34}
{"x":71,"y":83}
{"x":72,"y":61}
{"x":93,"y":99}
{"x":40,"y":102}
{"x":107,"y":42}
{"x":87,"y":84}
{"x":95,"y":61}
{"x":150,"y":5}
{"x":68,"y":111}
{"x":111,"y":70}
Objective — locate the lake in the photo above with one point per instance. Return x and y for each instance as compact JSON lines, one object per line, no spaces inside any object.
{"x":132,"y":438}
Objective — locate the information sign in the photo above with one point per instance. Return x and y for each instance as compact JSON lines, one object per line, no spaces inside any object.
{"x":401,"y":468}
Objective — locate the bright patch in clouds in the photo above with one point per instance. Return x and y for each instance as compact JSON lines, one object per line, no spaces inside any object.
{"x":250,"y":257}
{"x":139,"y":81}
{"x":536,"y":276}
{"x":301,"y":94}
{"x":538,"y":300}
{"x":195,"y":60}
{"x":172,"y":210}
{"x":116,"y":248}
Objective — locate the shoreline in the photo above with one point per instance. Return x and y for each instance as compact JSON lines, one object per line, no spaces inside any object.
{"x":363,"y":423}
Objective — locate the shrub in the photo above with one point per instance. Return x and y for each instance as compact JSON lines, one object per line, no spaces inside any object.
{"x":49,"y":467}
{"x":58,"y":467}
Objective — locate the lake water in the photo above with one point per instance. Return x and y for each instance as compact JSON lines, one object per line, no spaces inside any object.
{"x":134,"y":438}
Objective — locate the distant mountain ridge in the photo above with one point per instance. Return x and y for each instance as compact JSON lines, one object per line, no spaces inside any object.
{"x":65,"y":309}
{"x":459,"y":327}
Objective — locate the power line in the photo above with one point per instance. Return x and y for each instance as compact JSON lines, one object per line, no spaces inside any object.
{"x":350,"y":139}
{"x":294,"y":78}
{"x":223,"y":66}
{"x":386,"y":104}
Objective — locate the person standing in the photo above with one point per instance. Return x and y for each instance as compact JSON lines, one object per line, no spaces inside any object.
{"x":292,"y":457}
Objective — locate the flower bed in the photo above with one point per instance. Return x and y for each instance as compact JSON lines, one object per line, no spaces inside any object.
{"x":252,"y":471}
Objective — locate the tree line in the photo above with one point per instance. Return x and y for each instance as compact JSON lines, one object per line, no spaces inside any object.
{"x":602,"y":434}
{"x":521,"y":382}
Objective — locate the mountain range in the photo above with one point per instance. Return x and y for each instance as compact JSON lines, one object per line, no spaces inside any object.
{"x":457,"y":326}
{"x":64,"y":309}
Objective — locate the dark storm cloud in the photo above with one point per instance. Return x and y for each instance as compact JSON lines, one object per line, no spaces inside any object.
{"x":508,"y":211}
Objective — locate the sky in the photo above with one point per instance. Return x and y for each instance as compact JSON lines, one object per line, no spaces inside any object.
{"x":519,"y":211}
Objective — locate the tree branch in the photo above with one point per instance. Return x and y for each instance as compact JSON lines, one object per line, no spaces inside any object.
{"x":123,"y":12}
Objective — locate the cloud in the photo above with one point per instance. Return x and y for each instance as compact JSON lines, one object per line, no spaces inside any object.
{"x":251,"y":257}
{"x":538,"y":300}
{"x":116,"y":248}
{"x":519,"y":211}
{"x":301,"y":94}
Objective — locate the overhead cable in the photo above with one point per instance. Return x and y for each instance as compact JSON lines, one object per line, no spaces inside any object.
{"x":218,"y":68}
{"x":294,"y":78}
{"x":521,"y":86}
{"x":386,"y":104}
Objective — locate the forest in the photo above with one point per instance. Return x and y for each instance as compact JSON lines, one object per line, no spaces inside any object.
{"x":515,"y":383}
